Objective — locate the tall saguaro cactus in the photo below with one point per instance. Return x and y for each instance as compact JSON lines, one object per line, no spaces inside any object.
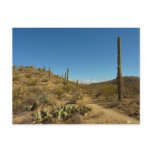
{"x":44,"y":68}
{"x":67,"y":76}
{"x":119,"y":74}
{"x":49,"y":72}
{"x":77,"y":82}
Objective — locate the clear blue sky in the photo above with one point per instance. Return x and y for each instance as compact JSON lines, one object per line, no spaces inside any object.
{"x":88,"y":52}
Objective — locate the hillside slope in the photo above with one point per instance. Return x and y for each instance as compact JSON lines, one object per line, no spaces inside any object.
{"x":43,"y":97}
{"x":131,"y":85}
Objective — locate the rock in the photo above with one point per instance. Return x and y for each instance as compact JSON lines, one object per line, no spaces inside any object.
{"x":32,"y":104}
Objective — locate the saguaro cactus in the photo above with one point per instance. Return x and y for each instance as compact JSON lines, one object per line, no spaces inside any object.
{"x":77,"y":82}
{"x":49,"y":72}
{"x":34,"y":70}
{"x":35,"y":67}
{"x":67,"y":76}
{"x":44,"y":68}
{"x":22,"y":68}
{"x":119,"y":74}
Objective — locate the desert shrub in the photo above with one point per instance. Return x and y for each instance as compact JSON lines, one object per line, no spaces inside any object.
{"x":72,"y":101}
{"x":30,"y":104}
{"x":70,"y":88}
{"x":28,"y":75}
{"x":26,"y":121}
{"x":130,"y":91}
{"x":83,"y":110}
{"x":58,"y":81}
{"x":18,"y":106}
{"x":78,"y":95}
{"x":16,"y":78}
{"x":64,"y":82}
{"x":107,"y":90}
{"x":14,"y":67}
{"x":98,"y":94}
{"x":18,"y":98}
{"x":34,"y":89}
{"x":18,"y":92}
{"x":84,"y":86}
{"x":76,"y":119}
{"x":45,"y":80}
{"x":51,"y":100}
{"x":112,"y":104}
{"x":59,"y":93}
{"x":128,"y":106}
{"x":33,"y":82}
{"x":43,"y":99}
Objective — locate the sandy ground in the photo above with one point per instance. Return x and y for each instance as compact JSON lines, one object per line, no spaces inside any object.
{"x":100,"y":115}
{"x":97,"y":115}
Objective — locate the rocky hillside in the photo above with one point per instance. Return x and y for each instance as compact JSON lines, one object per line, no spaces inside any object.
{"x":40,"y":96}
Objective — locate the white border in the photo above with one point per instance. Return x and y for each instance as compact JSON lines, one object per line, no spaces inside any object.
{"x":68,"y":13}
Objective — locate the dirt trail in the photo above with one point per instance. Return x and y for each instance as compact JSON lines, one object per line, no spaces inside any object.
{"x":100,"y":115}
{"x":22,"y":118}
{"x":97,"y":115}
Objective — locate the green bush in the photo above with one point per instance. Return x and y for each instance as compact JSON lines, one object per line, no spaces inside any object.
{"x":59,"y":93}
{"x":18,"y":106}
{"x":44,"y":80}
{"x":83,"y":110}
{"x":33,"y":82}
{"x":107,"y":90}
{"x":43,"y":99}
{"x":18,"y":92}
{"x":58,"y":81}
{"x":16,"y":78}
{"x":35,"y":89}
{"x":30,"y":104}
{"x":28,"y":75}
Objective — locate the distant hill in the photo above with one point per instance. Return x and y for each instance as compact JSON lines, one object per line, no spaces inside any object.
{"x":131,"y":84}
{"x":126,"y":79}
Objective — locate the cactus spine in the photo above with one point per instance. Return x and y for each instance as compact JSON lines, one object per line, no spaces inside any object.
{"x":119,"y":74}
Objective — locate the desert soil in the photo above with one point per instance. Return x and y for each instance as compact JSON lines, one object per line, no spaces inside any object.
{"x":98,"y":115}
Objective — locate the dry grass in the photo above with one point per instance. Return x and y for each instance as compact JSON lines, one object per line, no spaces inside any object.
{"x":127,"y":106}
{"x":35,"y":88}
